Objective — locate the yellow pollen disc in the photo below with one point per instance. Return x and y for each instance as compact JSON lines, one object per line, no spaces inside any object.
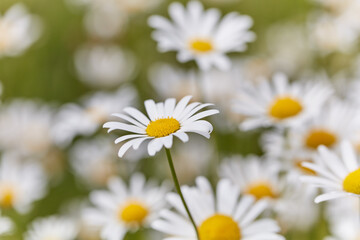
{"x":285,"y":107}
{"x":7,"y":198}
{"x":219,"y":227}
{"x":318,"y":137}
{"x":298,"y":164}
{"x":162,"y":127}
{"x":133,"y":213}
{"x":260,"y":190}
{"x":201,"y":45}
{"x":351,"y":183}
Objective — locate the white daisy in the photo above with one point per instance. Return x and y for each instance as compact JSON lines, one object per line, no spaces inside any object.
{"x":169,"y":81}
{"x":223,"y":216}
{"x":18,"y":30}
{"x":104,"y":66}
{"x":257,"y":177}
{"x":86,"y":118}
{"x":6,"y":225}
{"x":58,"y":228}
{"x":121,"y":209}
{"x":26,"y":128}
{"x":200,"y":35}
{"x":94,"y":161}
{"x":167,"y":119}
{"x":280,"y":103}
{"x":337,"y":174}
{"x":20,"y":184}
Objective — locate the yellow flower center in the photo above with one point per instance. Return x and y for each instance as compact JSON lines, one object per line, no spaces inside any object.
{"x":318,"y":137}
{"x":351,"y":183}
{"x":201,"y":45}
{"x":7,"y":197}
{"x":285,"y":107}
{"x":162,"y":127}
{"x":219,"y":227}
{"x":260,"y":190}
{"x":133,"y":213}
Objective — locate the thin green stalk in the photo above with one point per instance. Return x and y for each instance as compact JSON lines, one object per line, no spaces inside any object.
{"x":178,"y":189}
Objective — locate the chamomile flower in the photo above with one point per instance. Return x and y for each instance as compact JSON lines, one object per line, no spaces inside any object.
{"x":280,"y":103}
{"x":58,"y":228}
{"x":6,"y":225}
{"x":121,"y":209}
{"x":200,"y":35}
{"x":167,"y":120}
{"x":20,"y":184}
{"x":18,"y":30}
{"x":337,"y":174}
{"x":220,"y":216}
{"x":86,"y":118}
{"x":254,"y":176}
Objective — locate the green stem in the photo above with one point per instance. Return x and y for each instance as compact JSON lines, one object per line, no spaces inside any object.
{"x":178,"y":189}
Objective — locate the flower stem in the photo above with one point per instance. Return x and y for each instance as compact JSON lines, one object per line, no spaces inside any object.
{"x":178,"y":189}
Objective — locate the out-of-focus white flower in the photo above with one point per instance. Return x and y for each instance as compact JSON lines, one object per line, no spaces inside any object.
{"x":343,"y":215}
{"x":58,"y":228}
{"x":220,"y":216}
{"x":6,"y":225}
{"x":280,"y":103}
{"x":18,"y":30}
{"x":104,"y":66}
{"x":20,"y":184}
{"x":73,"y":120}
{"x":25,"y":128}
{"x":122,"y":209}
{"x":165,"y":121}
{"x":169,"y":81}
{"x":338,"y":174}
{"x":94,"y":161}
{"x":257,"y":177}
{"x":200,"y":35}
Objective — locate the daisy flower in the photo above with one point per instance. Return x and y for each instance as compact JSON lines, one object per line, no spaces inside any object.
{"x":6,"y":225}
{"x":254,"y":176}
{"x":121,"y":209}
{"x":84,"y":119}
{"x":58,"y":228}
{"x":18,"y":31}
{"x":220,"y":216}
{"x":20,"y":184}
{"x":337,"y":174}
{"x":167,"y":119}
{"x":200,"y":35}
{"x":280,"y":103}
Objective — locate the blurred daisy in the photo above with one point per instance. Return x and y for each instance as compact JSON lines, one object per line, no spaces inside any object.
{"x":86,"y":118}
{"x":104,"y":66}
{"x":200,"y":35}
{"x":94,"y":161}
{"x":343,"y":215}
{"x":254,"y":176}
{"x":18,"y":30}
{"x":6,"y":225}
{"x":215,"y":214}
{"x":169,"y":81}
{"x":25,"y":128}
{"x":122,"y":209}
{"x":20,"y":184}
{"x":167,"y":119}
{"x":338,"y":175}
{"x":52,"y":228}
{"x":280,"y":103}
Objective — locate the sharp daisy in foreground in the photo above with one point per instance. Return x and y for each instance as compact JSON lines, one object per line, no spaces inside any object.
{"x":166,"y":120}
{"x":220,"y":217}
{"x":338,"y":175}
{"x":200,"y":35}
{"x":122,"y":209}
